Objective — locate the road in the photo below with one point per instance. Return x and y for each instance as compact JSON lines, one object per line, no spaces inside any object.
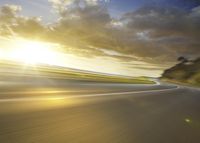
{"x":60,"y":111}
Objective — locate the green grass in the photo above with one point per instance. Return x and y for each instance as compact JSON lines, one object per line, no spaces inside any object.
{"x":16,"y":69}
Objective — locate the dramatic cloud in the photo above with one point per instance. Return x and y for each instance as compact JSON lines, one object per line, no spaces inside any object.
{"x":169,"y":31}
{"x":13,"y":24}
{"x":154,"y":35}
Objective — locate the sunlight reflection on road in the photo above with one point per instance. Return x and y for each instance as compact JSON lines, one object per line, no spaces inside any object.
{"x":41,"y":103}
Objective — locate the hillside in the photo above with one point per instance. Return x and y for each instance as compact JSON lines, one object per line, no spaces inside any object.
{"x":11,"y":70}
{"x":185,"y":72}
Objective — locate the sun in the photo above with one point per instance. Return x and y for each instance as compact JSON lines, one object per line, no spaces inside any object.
{"x":34,"y":52}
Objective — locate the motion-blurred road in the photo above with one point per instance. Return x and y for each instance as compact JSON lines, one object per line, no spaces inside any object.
{"x":64,"y":111}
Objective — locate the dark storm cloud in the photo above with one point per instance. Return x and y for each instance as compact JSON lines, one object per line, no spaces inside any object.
{"x":151,"y":34}
{"x":165,"y":21}
{"x":169,"y":31}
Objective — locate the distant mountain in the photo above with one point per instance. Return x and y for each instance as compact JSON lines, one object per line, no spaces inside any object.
{"x":186,"y":72}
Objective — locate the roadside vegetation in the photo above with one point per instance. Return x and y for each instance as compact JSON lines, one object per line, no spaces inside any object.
{"x":186,"y":72}
{"x":8,"y":69}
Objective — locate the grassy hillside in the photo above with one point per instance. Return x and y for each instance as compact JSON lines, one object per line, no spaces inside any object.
{"x":185,"y":72}
{"x":10,"y":70}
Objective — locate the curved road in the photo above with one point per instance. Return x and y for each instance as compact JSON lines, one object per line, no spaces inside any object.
{"x":56,"y":111}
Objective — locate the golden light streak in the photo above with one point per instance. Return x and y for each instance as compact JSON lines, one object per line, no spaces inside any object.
{"x":32,"y":52}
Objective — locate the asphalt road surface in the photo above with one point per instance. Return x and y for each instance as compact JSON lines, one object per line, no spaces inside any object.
{"x":64,"y":111}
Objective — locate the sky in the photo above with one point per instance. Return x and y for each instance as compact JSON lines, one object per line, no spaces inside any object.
{"x":127,"y":37}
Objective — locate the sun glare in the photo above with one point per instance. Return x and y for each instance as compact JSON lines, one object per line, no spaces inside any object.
{"x":34,"y":52}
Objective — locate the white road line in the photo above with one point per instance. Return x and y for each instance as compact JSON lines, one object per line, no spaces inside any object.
{"x":84,"y":96}
{"x":126,"y":93}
